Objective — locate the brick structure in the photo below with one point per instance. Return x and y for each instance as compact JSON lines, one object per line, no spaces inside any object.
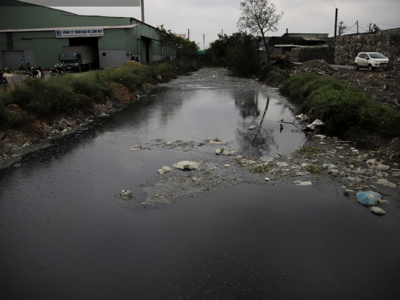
{"x":386,"y":42}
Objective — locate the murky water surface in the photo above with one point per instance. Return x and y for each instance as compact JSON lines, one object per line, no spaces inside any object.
{"x":64,"y":234}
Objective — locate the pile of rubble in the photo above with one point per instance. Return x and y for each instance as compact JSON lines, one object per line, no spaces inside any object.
{"x":318,"y":66}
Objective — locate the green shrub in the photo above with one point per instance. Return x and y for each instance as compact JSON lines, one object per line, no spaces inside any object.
{"x":40,"y":98}
{"x":273,"y":73}
{"x":345,"y":110}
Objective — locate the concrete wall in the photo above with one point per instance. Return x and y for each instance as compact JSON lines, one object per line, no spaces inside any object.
{"x":305,"y":54}
{"x":386,"y":42}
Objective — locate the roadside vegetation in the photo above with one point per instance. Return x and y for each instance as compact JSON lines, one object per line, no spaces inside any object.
{"x":346,"y":111}
{"x":35,"y":98}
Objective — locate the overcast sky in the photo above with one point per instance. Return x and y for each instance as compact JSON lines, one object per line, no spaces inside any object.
{"x":210,"y":17}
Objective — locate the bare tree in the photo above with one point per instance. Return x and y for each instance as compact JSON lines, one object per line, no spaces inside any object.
{"x":342,"y":28}
{"x":258,"y":17}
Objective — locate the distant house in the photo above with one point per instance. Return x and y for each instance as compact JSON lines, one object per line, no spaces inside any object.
{"x":279,"y":46}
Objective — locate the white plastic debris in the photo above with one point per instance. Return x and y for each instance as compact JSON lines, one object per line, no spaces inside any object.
{"x":164,"y":169}
{"x":302,"y":117}
{"x":303,"y":183}
{"x":314,"y":124}
{"x":136,"y":147}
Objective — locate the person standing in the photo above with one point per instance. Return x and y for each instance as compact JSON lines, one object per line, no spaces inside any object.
{"x":22,"y":64}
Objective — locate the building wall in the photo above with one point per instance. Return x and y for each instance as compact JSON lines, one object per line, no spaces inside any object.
{"x":386,"y":42}
{"x":44,"y":48}
{"x":305,"y":54}
{"x":43,"y":45}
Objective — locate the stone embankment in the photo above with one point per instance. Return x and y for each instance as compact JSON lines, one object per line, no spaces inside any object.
{"x":386,"y":42}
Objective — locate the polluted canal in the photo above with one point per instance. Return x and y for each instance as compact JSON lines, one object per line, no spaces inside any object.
{"x":218,"y":231}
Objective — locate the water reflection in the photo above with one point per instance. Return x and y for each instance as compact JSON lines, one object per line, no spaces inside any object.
{"x":247,"y":103}
{"x":258,"y":142}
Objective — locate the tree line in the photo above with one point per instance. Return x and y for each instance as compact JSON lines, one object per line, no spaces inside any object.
{"x":240,"y":51}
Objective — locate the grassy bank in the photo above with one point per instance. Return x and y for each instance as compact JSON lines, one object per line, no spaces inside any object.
{"x":62,"y":94}
{"x":346,"y":111}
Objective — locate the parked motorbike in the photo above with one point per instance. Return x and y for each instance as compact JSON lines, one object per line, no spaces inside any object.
{"x":57,"y":70}
{"x":3,"y":80}
{"x":34,"y":72}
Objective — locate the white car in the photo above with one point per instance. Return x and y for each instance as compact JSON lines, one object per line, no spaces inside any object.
{"x":370,"y":60}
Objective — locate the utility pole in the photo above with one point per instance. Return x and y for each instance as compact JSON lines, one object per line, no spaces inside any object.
{"x":204,"y":41}
{"x":142,"y":7}
{"x":336,"y":22}
{"x":188,"y":35}
{"x":357,"y":26}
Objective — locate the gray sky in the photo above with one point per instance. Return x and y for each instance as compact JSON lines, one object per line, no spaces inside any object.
{"x":210,"y":17}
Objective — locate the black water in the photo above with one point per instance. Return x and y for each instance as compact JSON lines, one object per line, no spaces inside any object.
{"x":65,"y":235}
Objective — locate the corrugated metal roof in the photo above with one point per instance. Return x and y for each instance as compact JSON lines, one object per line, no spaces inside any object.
{"x":69,"y":28}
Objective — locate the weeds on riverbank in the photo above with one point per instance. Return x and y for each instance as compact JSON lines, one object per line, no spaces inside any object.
{"x":308,"y":151}
{"x":345,"y":110}
{"x":270,"y":72}
{"x":36,"y":98}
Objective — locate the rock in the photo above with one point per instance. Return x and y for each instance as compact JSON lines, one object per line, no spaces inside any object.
{"x":282,"y":164}
{"x":329,"y":166}
{"x":168,"y":143}
{"x":164,"y":169}
{"x":372,"y":162}
{"x":227,"y":152}
{"x":136,"y":147}
{"x":227,"y":165}
{"x":384,"y":182}
{"x":303,"y":183}
{"x":301,"y":173}
{"x":252,"y":127}
{"x":186,"y":165}
{"x":368,"y":198}
{"x":218,"y":151}
{"x":216,"y":142}
{"x":266,"y":179}
{"x":320,"y":136}
{"x":378,"y":211}
{"x":382,"y":168}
